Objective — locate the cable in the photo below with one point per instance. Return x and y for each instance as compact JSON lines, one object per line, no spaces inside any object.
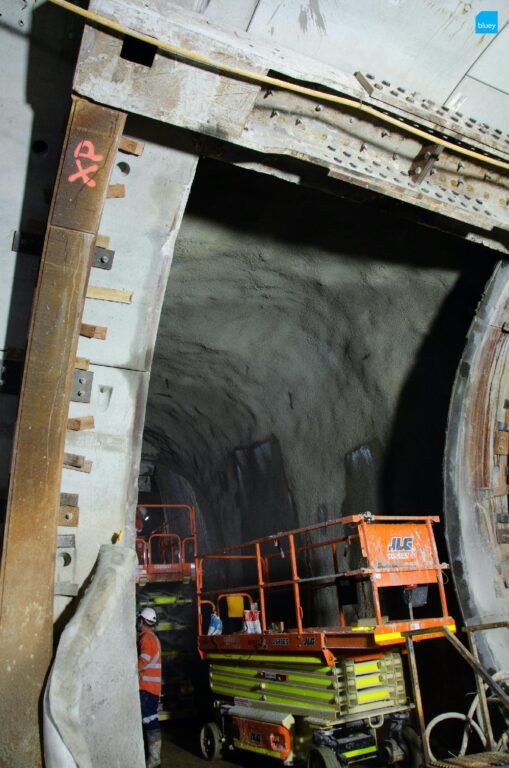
{"x":275,"y":82}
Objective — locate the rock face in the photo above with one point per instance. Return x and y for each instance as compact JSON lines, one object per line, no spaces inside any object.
{"x":305,"y":356}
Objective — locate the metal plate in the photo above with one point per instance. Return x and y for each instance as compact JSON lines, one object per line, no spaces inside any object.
{"x":102,"y":258}
{"x":82,"y":386}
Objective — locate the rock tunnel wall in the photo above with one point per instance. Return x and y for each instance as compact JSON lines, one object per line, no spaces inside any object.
{"x":305,"y":356}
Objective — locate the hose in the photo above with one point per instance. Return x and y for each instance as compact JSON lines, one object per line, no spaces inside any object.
{"x":469,"y":719}
{"x":274,"y":82}
{"x":452,"y":716}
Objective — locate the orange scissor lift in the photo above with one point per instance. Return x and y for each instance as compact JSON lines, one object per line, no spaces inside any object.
{"x":163,"y":555}
{"x":326,"y":694}
{"x":165,"y":574}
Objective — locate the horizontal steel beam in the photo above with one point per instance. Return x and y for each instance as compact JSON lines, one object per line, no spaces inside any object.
{"x":374,"y":149}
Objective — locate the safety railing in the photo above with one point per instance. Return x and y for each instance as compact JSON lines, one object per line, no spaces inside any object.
{"x":392,"y":552}
{"x":164,"y":554}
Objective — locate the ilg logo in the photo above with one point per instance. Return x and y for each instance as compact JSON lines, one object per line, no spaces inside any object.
{"x":486,"y":23}
{"x":400,"y":548}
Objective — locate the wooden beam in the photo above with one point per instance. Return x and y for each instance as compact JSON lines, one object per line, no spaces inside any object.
{"x":109,"y":294}
{"x":81,"y":422}
{"x":73,"y":460}
{"x":93,"y":331}
{"x":102,"y":241}
{"x":131,"y":146}
{"x":28,"y":563}
{"x":116,"y":190}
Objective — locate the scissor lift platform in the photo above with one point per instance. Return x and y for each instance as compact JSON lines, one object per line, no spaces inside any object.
{"x":394,"y":552}
{"x":322,"y":692}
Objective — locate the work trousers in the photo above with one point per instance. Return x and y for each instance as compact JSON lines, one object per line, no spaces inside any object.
{"x":149,"y":704}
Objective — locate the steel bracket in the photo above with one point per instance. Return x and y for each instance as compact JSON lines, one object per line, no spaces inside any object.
{"x":82,"y":386}
{"x":102,"y":258}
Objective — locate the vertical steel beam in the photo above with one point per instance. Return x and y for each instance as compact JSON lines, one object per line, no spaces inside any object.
{"x":28,"y":560}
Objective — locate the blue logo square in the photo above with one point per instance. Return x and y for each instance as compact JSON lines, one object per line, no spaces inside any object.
{"x":486,"y":23}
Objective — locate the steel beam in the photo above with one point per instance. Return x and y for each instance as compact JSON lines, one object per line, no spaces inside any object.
{"x":28,"y":562}
{"x":345,"y":144}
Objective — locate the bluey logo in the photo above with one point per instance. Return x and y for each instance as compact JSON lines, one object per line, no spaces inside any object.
{"x":400,"y":547}
{"x":486,"y":23}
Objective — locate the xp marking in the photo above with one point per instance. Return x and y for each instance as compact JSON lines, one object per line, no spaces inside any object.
{"x":86,"y":150}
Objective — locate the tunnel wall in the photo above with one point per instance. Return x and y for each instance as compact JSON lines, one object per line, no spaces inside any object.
{"x":296,"y":320}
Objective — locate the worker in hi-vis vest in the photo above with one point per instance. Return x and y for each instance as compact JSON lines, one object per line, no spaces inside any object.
{"x":149,"y":674}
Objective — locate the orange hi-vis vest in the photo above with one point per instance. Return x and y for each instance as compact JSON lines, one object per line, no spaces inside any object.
{"x":149,"y":662}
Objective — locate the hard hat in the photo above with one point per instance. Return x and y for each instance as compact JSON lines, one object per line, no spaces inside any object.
{"x":149,"y":616}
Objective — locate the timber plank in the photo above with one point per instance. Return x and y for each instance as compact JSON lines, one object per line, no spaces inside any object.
{"x":109,"y":294}
{"x":81,"y":422}
{"x":93,"y":331}
{"x":116,"y":190}
{"x":131,"y":146}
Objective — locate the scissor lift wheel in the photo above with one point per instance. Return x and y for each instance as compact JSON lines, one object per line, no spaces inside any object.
{"x":322,"y":757}
{"x":211,"y":742}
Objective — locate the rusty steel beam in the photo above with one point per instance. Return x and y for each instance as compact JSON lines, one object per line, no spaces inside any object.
{"x":28,"y":561}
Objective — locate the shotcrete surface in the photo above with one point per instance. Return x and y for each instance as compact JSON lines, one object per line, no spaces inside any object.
{"x":309,"y":344}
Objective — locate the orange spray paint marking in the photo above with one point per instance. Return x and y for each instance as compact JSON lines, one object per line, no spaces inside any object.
{"x":85,"y":149}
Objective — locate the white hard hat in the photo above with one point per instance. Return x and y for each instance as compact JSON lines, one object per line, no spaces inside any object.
{"x":149,"y":616}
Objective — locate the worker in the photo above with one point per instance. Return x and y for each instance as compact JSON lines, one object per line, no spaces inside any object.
{"x":149,"y":675}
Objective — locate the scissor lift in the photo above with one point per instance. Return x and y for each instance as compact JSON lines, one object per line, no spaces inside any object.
{"x":163,"y":555}
{"x":328,"y":693}
{"x":165,"y":574}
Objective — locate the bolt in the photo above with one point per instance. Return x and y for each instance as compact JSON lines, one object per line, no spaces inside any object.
{"x":81,"y":380}
{"x":274,"y":113}
{"x":384,"y":134}
{"x":298,"y":121}
{"x":364,"y":147}
{"x":80,"y":393}
{"x":461,"y":165}
{"x":427,"y":155}
{"x":318,"y":108}
{"x":459,"y":182}
{"x":417,"y":170}
{"x":395,"y":156}
{"x":105,"y":259}
{"x":267,"y":93}
{"x":379,"y":86}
